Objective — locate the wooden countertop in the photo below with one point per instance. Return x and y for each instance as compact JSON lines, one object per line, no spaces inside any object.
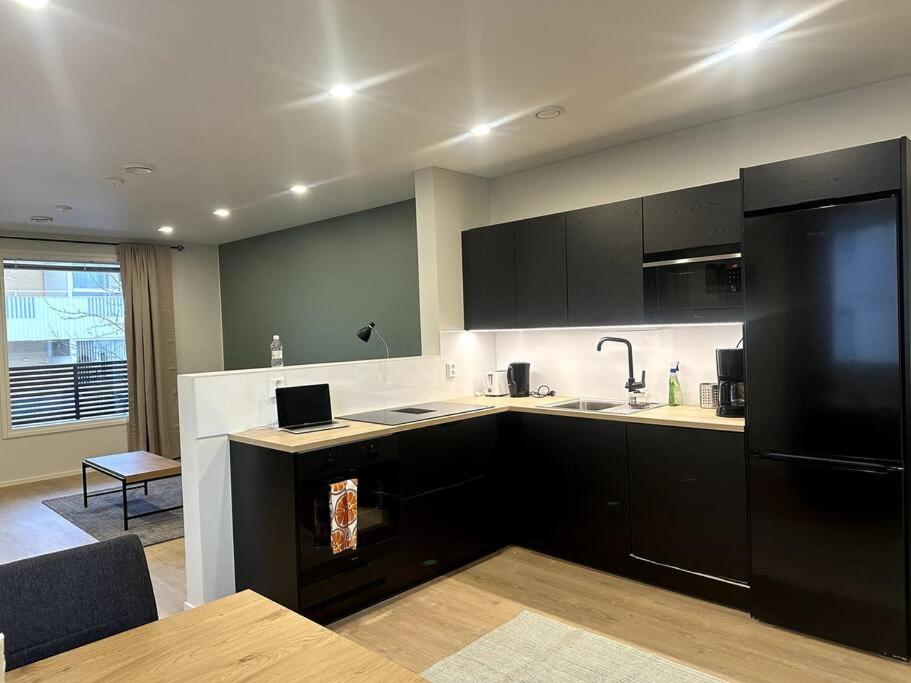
{"x":691,"y":417}
{"x":241,"y":637}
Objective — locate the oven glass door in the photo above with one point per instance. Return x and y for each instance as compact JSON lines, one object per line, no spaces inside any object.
{"x":361,"y":503}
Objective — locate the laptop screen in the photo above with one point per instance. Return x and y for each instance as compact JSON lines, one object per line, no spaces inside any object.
{"x":302,"y":406}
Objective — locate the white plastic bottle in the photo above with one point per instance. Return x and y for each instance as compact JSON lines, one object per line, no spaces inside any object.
{"x":276,"y":349}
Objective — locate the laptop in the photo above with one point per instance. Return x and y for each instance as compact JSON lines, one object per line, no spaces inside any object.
{"x":305,"y":409}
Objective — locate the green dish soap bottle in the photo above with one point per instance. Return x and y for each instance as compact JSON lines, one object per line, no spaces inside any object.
{"x":674,"y":392}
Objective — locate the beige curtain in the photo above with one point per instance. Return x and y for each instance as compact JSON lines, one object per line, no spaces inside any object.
{"x":148,"y":298}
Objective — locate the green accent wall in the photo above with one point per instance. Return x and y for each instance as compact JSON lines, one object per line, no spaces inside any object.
{"x":316,"y":284}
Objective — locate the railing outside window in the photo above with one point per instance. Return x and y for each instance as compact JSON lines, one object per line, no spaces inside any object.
{"x":47,"y":394}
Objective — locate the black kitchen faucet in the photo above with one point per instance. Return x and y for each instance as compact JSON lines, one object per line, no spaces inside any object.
{"x":631,"y":384}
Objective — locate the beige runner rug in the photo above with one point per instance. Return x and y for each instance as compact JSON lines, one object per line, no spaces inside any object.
{"x":532,"y":647}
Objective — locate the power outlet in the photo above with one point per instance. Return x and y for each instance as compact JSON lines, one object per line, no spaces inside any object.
{"x":450,"y":370}
{"x":274,"y":383}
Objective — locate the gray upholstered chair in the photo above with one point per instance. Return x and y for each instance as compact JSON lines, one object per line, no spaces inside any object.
{"x":57,"y":602}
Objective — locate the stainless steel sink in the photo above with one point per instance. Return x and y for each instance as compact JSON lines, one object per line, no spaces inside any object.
{"x":598,"y":405}
{"x":585,"y":404}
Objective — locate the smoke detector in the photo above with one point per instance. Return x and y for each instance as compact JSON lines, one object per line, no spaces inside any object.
{"x":551,"y":111}
{"x":114,"y":180}
{"x":63,"y":208}
{"x":138,"y":169}
{"x":42,"y":219}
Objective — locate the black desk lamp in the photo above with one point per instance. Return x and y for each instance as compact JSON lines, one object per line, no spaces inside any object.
{"x":365,"y":332}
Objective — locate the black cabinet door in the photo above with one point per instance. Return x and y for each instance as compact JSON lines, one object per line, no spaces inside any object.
{"x":697,"y":217}
{"x":489,"y":277}
{"x":432,"y":458}
{"x":596,"y":452}
{"x":541,"y":271}
{"x":543,"y":475}
{"x":832,"y":175}
{"x":604,"y":264}
{"x":828,"y":551}
{"x":688,"y":503}
{"x":574,"y":488}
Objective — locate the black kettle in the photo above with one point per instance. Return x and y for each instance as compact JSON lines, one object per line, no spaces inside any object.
{"x":517,"y":379}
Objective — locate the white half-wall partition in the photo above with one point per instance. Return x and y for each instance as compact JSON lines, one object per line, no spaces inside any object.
{"x":212,"y":405}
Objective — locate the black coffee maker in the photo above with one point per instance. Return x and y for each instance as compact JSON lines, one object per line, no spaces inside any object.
{"x":517,"y":379}
{"x":731,"y":393}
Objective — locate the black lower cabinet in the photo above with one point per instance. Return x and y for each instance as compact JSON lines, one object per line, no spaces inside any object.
{"x":688,"y":510}
{"x":688,"y":499}
{"x":828,"y":552}
{"x":573,"y":493}
{"x":433,"y":499}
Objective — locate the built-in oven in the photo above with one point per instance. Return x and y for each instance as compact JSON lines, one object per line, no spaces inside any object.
{"x":347,"y":508}
{"x":693,"y":289}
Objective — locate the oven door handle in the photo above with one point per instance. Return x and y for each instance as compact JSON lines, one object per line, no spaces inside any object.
{"x":694,"y":259}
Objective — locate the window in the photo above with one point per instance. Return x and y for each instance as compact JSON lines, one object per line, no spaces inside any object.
{"x":65,"y":348}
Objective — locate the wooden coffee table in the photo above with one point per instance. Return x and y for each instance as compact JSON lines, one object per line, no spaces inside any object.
{"x":134,"y":470}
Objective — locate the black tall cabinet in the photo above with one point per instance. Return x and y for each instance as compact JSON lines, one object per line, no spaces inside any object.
{"x":826,"y":339}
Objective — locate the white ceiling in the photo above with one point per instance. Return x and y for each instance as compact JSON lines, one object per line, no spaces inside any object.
{"x":226,"y":97}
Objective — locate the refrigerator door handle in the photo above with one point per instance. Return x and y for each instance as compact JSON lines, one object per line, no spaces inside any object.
{"x":871,"y":467}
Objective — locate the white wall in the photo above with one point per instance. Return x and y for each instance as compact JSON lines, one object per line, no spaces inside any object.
{"x":197,"y":309}
{"x":708,"y":153}
{"x":197,"y":313}
{"x":213,"y":405}
{"x":568,"y":362}
{"x":446,"y":203}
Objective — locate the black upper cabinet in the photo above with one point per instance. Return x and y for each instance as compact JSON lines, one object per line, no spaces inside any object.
{"x":851,"y":172}
{"x":688,"y":500}
{"x":604,"y":264}
{"x":489,"y":277}
{"x":541,"y":271}
{"x":694,"y":218}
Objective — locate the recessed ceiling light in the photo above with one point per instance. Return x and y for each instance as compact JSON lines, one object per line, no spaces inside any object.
{"x":341,"y":91}
{"x":33,"y":4}
{"x":222,"y":213}
{"x":166,"y":229}
{"x":746,"y":43}
{"x":138,"y":169}
{"x":298,"y":189}
{"x":480,"y":130}
{"x":551,"y":111}
{"x":42,"y":219}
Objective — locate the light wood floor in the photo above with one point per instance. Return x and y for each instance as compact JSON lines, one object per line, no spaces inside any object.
{"x":436,"y":620}
{"x":27,"y":528}
{"x":433,"y":621}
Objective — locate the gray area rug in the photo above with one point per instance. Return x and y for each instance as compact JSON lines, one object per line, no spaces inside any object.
{"x":103,"y":518}
{"x":531,"y":647}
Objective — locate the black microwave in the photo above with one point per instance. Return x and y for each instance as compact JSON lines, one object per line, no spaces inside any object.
{"x":694,"y":290}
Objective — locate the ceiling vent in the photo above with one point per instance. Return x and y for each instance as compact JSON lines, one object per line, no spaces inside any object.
{"x":138,"y":169}
{"x":551,"y":111}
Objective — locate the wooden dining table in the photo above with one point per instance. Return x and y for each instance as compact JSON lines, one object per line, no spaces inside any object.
{"x":243,"y":637}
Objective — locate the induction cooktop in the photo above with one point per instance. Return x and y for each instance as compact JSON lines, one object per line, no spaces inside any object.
{"x":414,"y":413}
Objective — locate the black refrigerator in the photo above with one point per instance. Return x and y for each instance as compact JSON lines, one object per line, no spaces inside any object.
{"x":823,"y":340}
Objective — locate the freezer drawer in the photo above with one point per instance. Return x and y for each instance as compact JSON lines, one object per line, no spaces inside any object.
{"x":828,"y":551}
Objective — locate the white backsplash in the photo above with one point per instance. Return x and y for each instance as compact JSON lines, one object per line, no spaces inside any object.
{"x":568,"y":362}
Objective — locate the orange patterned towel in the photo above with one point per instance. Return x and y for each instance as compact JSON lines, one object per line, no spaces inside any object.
{"x":343,"y":513}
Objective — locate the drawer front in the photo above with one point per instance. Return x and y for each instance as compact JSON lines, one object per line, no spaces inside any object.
{"x":319,"y":463}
